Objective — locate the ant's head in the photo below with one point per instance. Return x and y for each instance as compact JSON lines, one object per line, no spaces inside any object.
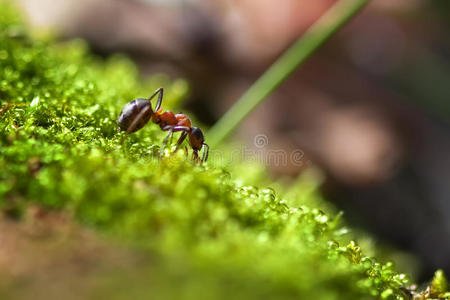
{"x":196,"y":138}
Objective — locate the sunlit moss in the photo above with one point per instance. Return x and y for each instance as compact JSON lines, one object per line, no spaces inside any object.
{"x":59,"y":149}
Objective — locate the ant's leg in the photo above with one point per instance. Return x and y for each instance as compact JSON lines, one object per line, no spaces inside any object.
{"x":171,"y":130}
{"x":183,"y":136}
{"x":195,"y":156}
{"x":158,"y":103}
{"x":205,"y":153}
{"x":176,"y":128}
{"x":181,"y":128}
{"x":166,"y":139}
{"x":185,"y":130}
{"x":181,"y":139}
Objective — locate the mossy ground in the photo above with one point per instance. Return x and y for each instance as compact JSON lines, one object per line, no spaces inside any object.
{"x":206,"y":236}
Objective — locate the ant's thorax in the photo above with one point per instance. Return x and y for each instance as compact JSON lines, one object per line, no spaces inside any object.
{"x":169,"y":118}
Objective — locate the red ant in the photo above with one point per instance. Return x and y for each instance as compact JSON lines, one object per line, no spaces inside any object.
{"x":137,"y":113}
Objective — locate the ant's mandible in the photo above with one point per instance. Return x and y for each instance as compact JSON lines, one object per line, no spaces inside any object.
{"x":137,"y":113}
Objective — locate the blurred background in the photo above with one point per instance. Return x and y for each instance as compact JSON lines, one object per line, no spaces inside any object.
{"x":371,"y":108}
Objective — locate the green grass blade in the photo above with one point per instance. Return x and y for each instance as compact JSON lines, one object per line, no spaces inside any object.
{"x":306,"y":45}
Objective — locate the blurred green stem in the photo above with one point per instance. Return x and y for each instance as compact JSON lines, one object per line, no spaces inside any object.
{"x":309,"y":42}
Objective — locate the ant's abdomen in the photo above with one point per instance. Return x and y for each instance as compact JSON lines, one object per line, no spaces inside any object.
{"x":139,"y":110}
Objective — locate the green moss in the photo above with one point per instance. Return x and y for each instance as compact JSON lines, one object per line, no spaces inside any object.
{"x":213,"y":237}
{"x":439,"y":285}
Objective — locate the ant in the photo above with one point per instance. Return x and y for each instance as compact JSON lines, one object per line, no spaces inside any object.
{"x":137,"y":113}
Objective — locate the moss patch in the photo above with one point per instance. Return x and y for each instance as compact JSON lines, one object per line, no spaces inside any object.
{"x":208,"y":236}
